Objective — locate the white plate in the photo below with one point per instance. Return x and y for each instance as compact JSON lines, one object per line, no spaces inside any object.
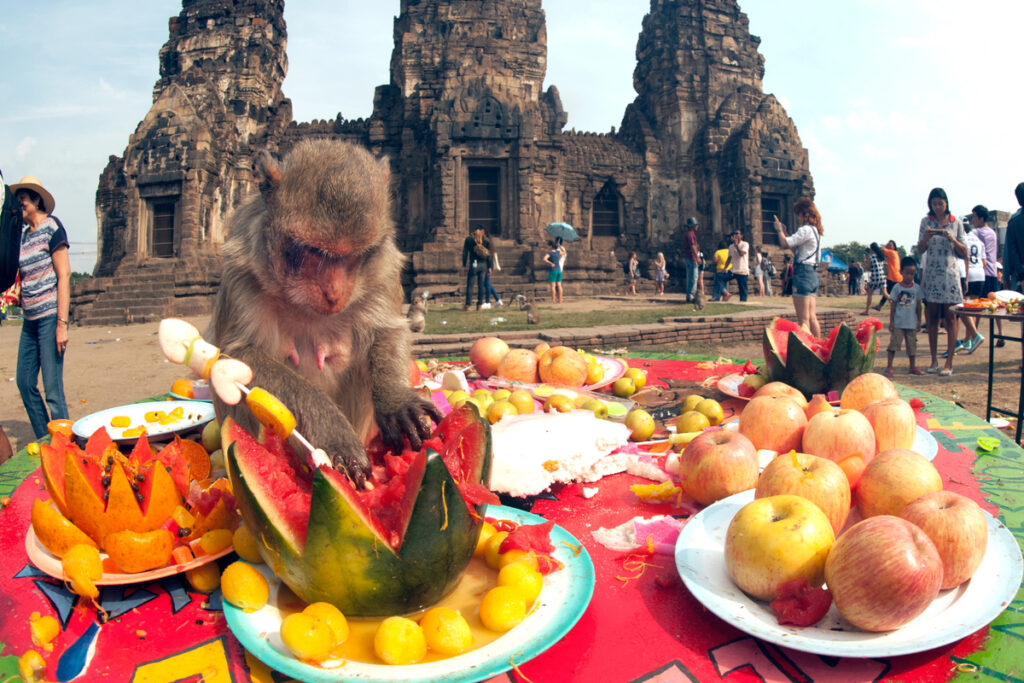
{"x":924,"y":443}
{"x":562,"y":601}
{"x":47,"y":562}
{"x":955,"y":613}
{"x":195,"y":414}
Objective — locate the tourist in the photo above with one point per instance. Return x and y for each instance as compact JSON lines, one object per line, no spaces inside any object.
{"x":759,"y":273}
{"x":854,"y":273}
{"x":553,"y":257}
{"x":787,"y":275}
{"x":493,"y":264}
{"x":876,"y":276}
{"x":691,"y":256}
{"x":941,"y":238}
{"x":660,"y":273}
{"x":974,"y":285}
{"x":892,"y":269}
{"x":988,"y":237}
{"x":904,"y":315}
{"x":633,"y":271}
{"x":769,"y":273}
{"x":739,"y":254}
{"x":45,"y":272}
{"x":1013,"y":249}
{"x":720,"y":289}
{"x":701,"y":264}
{"x":476,"y":254}
{"x":806,"y":246}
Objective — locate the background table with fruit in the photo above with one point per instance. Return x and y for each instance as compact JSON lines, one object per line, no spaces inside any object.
{"x":642,"y":623}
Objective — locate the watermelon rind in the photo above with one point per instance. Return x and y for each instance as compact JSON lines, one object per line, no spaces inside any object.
{"x":848,"y":359}
{"x":344,"y":558}
{"x":777,"y":371}
{"x":806,"y":369}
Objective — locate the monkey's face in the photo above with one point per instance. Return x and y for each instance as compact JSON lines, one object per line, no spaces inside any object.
{"x":318,"y":278}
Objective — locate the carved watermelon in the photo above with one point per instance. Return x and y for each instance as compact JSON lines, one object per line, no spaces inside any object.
{"x":389,"y":549}
{"x":818,"y":366}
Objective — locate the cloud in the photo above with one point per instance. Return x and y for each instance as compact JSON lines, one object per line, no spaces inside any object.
{"x":24,"y":147}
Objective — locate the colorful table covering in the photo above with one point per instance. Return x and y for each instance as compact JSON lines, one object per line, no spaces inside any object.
{"x":642,"y":624}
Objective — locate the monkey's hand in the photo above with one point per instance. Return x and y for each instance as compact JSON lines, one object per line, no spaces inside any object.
{"x":405,"y":415}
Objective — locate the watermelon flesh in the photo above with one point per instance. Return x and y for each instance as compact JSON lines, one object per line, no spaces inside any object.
{"x":393,"y":547}
{"x":818,"y":366}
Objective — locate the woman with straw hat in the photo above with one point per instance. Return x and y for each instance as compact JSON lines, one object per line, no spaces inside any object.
{"x":45,"y":271}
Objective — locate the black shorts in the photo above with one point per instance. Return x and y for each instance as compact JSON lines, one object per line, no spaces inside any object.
{"x":976,"y":288}
{"x":991,"y":285}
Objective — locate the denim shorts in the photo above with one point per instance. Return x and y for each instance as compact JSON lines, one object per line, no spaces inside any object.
{"x":805,"y":280}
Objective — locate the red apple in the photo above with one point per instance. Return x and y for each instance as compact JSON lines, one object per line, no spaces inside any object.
{"x":893,"y":479}
{"x":773,"y":422}
{"x":819,"y":480}
{"x":486,"y":354}
{"x":894,"y":423}
{"x":782,"y":389}
{"x":863,"y":389}
{"x":774,"y":540}
{"x":716,"y":464}
{"x":883,"y":572}
{"x":957,"y":527}
{"x":844,"y":437}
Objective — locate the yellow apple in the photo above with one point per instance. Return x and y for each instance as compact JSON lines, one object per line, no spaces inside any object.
{"x":774,"y":540}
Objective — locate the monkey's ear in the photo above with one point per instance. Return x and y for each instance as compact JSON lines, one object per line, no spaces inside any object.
{"x":268,"y":173}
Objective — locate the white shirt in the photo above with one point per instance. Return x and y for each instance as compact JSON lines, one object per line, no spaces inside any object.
{"x":975,"y":254}
{"x":806,"y":245}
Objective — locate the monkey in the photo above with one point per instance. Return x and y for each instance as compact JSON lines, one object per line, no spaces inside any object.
{"x":699,"y":301}
{"x":532,"y":313}
{"x":310,"y":298}
{"x":417,"y":315}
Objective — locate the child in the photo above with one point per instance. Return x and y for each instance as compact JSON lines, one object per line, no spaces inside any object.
{"x":905,"y":315}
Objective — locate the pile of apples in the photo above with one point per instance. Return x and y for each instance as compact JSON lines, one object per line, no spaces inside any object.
{"x":544,"y":363}
{"x":915,"y":539}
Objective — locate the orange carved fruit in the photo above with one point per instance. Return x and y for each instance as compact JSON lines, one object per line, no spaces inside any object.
{"x":135,"y":552}
{"x":55,"y":531}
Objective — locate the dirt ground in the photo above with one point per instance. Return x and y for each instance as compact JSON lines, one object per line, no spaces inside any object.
{"x":110,"y":366}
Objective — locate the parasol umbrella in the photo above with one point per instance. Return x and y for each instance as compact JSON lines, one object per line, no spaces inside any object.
{"x":563,"y":230}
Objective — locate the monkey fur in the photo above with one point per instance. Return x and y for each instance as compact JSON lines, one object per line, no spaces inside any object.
{"x":310,"y":297}
{"x":417,"y":315}
{"x":532,"y":312}
{"x":699,"y":301}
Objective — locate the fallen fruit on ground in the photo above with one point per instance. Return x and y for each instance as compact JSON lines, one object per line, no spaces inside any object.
{"x":392,"y":549}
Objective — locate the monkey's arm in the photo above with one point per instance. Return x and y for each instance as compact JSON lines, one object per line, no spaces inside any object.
{"x":398,"y":410}
{"x":318,"y":419}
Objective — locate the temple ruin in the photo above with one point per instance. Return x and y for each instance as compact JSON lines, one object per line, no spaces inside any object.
{"x":473,"y":134}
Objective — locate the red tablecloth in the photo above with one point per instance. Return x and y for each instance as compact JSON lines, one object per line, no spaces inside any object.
{"x":645,"y":628}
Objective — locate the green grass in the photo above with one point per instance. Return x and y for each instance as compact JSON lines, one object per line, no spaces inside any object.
{"x":454,"y":320}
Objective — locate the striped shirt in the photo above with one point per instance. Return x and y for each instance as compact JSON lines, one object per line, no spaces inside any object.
{"x":38,"y":277}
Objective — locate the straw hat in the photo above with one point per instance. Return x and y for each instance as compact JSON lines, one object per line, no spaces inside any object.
{"x":32,"y":183}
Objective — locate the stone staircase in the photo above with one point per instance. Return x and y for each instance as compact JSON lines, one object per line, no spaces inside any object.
{"x":145,"y":293}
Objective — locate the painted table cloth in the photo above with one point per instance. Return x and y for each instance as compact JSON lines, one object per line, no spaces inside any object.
{"x":641,"y":625}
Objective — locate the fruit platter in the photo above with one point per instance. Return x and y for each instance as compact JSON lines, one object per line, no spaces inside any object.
{"x":951,"y":615}
{"x":158,"y":420}
{"x":562,"y":600}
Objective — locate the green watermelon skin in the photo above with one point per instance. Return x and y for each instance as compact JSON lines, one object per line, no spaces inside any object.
{"x":345,"y":560}
{"x":806,"y":371}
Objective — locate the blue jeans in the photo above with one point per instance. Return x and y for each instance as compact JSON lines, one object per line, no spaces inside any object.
{"x":721,"y":285}
{"x":475,"y":275}
{"x":741,"y":284}
{"x":489,"y":289}
{"x":692,"y":270}
{"x":37,"y":351}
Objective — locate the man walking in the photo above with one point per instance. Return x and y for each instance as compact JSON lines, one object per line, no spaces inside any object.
{"x":1013,"y":254}
{"x":691,"y":254}
{"x":739,"y":254}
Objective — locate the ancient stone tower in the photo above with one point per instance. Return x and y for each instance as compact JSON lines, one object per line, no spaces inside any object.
{"x":474,"y":135}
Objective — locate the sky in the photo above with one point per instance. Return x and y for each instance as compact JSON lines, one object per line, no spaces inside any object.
{"x":891,"y":97}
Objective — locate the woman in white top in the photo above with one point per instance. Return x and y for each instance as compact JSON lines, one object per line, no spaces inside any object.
{"x":806,"y":246}
{"x":941,"y":237}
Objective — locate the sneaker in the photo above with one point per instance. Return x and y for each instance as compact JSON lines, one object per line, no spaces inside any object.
{"x":500,"y":302}
{"x":957,"y":349}
{"x":978,"y":340}
{"x":485,"y":306}
{"x":1000,"y":343}
{"x":888,"y":372}
{"x":933,"y":370}
{"x":915,"y":371}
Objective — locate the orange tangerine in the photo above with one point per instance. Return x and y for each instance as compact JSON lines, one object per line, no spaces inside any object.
{"x":60,"y":426}
{"x":182,"y":387}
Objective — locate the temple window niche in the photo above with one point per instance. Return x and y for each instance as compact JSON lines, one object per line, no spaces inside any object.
{"x":160,"y":219}
{"x":162,"y":232}
{"x":485,"y":198}
{"x":606,"y":213}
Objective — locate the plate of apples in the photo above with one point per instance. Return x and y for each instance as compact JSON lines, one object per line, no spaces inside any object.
{"x":889,"y":589}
